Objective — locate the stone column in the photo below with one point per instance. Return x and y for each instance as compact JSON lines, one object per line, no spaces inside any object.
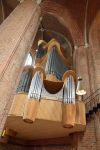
{"x":95,"y":51}
{"x":17,"y":33}
{"x":82,"y":67}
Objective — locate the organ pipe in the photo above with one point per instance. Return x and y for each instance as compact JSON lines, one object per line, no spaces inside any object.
{"x":69,"y":90}
{"x":25,"y":81}
{"x":35,"y":87}
{"x":55,"y":64}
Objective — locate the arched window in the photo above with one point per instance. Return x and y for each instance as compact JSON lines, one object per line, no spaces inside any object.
{"x":29,"y":60}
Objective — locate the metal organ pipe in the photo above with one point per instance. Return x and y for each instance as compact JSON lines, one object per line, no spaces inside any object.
{"x":69,"y":90}
{"x":35,"y":87}
{"x":55,"y":64}
{"x":27,"y":83}
{"x":24,"y":82}
{"x":32,"y":89}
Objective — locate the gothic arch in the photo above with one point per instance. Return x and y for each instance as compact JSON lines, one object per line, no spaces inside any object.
{"x":65,"y":18}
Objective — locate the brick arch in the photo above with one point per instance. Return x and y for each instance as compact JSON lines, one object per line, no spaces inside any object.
{"x":94,"y":34}
{"x":51,"y":22}
{"x":94,"y":39}
{"x":93,"y":9}
{"x":65,"y":18}
{"x":94,"y":23}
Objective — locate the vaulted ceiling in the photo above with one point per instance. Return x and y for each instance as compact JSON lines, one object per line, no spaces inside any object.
{"x":71,"y":18}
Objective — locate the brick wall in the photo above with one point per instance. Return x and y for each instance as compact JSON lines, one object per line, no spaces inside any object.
{"x":87,"y":140}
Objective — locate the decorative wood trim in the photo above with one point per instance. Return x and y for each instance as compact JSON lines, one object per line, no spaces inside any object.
{"x":41,"y":70}
{"x":52,"y":86}
{"x":67,"y":74}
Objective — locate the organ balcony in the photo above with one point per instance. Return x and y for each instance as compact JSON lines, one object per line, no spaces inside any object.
{"x":45,"y":104}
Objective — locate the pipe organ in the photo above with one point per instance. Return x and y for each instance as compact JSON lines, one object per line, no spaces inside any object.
{"x":45,"y":105}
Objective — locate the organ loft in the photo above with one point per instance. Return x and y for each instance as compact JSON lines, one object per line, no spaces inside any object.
{"x":49,"y":74}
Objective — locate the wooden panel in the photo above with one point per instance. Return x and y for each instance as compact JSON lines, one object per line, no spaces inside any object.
{"x":40,"y":129}
{"x":18,"y":104}
{"x":68,"y":114}
{"x":50,"y":110}
{"x":30,"y":110}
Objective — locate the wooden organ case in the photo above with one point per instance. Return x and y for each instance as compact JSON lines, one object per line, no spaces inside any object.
{"x":45,"y":105}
